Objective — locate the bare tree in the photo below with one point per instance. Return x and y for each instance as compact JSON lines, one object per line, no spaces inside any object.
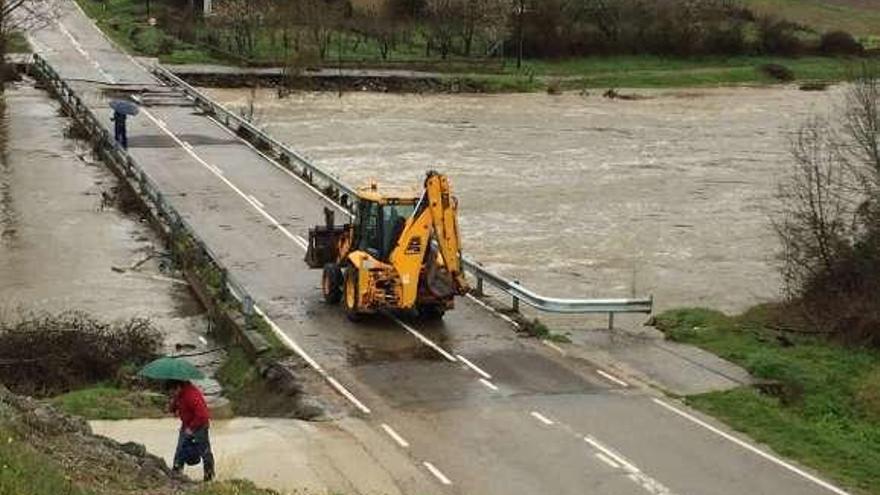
{"x":816,"y":214}
{"x":244,"y":20}
{"x":19,"y":16}
{"x":829,"y":221}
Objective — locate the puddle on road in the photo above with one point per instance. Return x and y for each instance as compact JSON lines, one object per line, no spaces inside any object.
{"x":579,"y":196}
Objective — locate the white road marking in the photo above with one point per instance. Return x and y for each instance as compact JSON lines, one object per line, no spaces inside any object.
{"x":311,"y":362}
{"x":607,"y":460}
{"x":540,"y":417}
{"x":489,"y":384}
{"x":553,"y":346}
{"x":473,"y":367}
{"x":203,"y":340}
{"x":283,"y":169}
{"x":257,"y":202}
{"x":493,"y":310}
{"x":613,"y":378}
{"x":628,"y":466}
{"x":751,"y":448}
{"x":219,"y":173}
{"x":107,"y":38}
{"x":437,"y":473}
{"x":78,"y":47}
{"x":634,"y":474}
{"x":425,"y":340}
{"x":393,"y":434}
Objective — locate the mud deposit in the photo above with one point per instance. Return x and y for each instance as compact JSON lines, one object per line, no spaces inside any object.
{"x":65,"y":245}
{"x":580,"y":196}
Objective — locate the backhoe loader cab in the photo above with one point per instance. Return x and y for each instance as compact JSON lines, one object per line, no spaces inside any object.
{"x":400,"y":252}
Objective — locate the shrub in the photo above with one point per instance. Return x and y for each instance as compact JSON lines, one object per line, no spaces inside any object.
{"x":778,"y":37}
{"x":45,"y":354}
{"x":840,"y":43}
{"x":777,"y":71}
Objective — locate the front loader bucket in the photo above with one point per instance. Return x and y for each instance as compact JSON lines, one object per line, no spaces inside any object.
{"x":324,"y":245}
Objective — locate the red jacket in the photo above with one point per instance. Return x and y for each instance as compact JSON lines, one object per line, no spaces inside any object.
{"x":189,"y":404}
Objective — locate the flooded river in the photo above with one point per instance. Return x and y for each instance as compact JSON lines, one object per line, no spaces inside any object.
{"x":577,"y":195}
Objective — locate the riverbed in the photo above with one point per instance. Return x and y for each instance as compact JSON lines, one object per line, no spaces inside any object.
{"x":578,"y":195}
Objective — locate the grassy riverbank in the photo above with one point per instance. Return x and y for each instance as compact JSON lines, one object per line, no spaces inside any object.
{"x":125,"y":22}
{"x":819,"y":405}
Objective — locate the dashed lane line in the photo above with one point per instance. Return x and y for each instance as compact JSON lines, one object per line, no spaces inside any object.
{"x":489,"y":385}
{"x":790,"y":467}
{"x":79,"y":48}
{"x":425,"y":340}
{"x":634,"y":474}
{"x":612,"y":378}
{"x":396,"y":436}
{"x":311,"y":362}
{"x":544,"y":419}
{"x":437,"y":473}
{"x":474,"y":367}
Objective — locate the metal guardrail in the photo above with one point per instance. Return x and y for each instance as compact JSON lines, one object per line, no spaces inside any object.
{"x":137,"y":178}
{"x":344,"y":194}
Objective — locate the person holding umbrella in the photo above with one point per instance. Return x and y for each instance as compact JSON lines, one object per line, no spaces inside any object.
{"x":121,"y":110}
{"x":188,"y":403}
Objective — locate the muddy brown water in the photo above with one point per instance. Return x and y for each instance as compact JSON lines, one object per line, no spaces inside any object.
{"x":65,"y":248}
{"x":580,"y":196}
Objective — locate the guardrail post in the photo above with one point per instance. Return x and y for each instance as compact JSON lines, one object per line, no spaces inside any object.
{"x":247,"y":306}
{"x":516,"y":300}
{"x":479,"y":286}
{"x":610,"y":321}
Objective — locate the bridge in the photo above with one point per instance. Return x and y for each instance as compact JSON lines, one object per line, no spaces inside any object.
{"x":458,"y":406}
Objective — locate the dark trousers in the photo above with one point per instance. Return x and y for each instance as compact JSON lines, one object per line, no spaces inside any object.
{"x":201,"y":437}
{"x":119,"y":128}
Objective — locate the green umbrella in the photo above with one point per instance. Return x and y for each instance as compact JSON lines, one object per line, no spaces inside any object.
{"x":168,"y":368}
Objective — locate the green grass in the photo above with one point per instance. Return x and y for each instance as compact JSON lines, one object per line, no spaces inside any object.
{"x":103,"y":402}
{"x":859,"y":17}
{"x":826,"y":415}
{"x":17,"y":43}
{"x":125,"y":22}
{"x":27,"y":471}
{"x":24,"y":470}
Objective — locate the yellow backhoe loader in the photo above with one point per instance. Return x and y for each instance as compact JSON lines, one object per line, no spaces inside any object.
{"x":400,"y":252}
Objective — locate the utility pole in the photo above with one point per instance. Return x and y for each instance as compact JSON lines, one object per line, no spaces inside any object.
{"x":521,"y":9}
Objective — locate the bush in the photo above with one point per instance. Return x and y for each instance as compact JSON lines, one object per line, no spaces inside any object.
{"x":840,"y":43}
{"x":777,"y":71}
{"x":829,"y":220}
{"x":778,"y":37}
{"x":45,"y":354}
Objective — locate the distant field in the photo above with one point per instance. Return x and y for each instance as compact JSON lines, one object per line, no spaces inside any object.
{"x":860,"y":17}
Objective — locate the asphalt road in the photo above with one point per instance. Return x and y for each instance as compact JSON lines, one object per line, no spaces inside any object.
{"x":474,"y":408}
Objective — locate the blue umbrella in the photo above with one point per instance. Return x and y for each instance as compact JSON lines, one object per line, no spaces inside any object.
{"x":124,"y":107}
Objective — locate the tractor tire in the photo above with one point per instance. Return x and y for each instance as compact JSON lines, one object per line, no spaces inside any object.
{"x":331,"y":283}
{"x":431,"y":312}
{"x":350,"y":295}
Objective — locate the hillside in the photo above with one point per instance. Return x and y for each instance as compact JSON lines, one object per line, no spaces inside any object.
{"x":860,"y":17}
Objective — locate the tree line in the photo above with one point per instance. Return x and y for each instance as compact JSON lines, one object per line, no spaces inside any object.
{"x":531,"y":28}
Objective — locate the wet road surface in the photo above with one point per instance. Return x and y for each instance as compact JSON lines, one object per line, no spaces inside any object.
{"x":474,"y":408}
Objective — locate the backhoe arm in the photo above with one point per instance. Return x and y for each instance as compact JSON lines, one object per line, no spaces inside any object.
{"x":435,"y":217}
